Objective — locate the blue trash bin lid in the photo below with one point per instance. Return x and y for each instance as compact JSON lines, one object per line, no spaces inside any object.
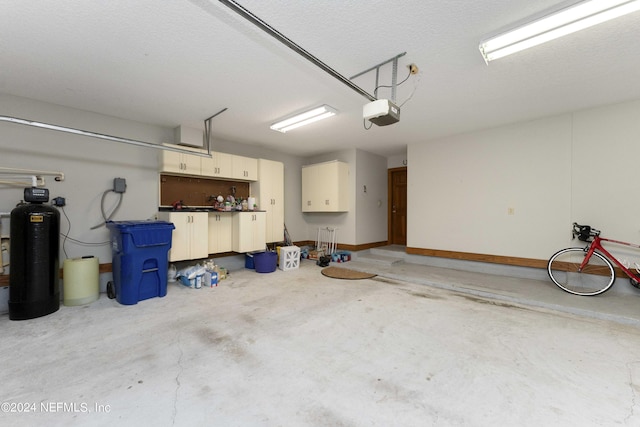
{"x":124,"y":225}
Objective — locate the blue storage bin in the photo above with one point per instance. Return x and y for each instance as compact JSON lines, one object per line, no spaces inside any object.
{"x":140,"y":259}
{"x":248,"y":261}
{"x":265,"y":262}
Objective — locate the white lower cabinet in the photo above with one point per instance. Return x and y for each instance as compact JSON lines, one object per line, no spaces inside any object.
{"x":189,"y":238}
{"x":249,"y":230}
{"x":198,"y":234}
{"x":220,"y":232}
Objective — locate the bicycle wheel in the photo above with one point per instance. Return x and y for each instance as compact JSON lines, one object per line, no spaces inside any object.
{"x":595,"y":278}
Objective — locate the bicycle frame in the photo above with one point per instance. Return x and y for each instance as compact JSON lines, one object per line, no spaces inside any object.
{"x":596,"y":244}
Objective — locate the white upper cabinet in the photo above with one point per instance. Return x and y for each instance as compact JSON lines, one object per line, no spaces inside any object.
{"x":172,"y":161}
{"x":244,"y":168}
{"x":325,"y":187}
{"x":219,"y":165}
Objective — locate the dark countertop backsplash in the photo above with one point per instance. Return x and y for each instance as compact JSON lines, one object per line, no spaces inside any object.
{"x":197,"y":192}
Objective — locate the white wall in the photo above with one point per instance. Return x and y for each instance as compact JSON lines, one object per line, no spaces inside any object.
{"x":89,"y":166}
{"x":397,"y":161}
{"x":606,"y":170}
{"x":575,"y":167}
{"x":371,"y":206}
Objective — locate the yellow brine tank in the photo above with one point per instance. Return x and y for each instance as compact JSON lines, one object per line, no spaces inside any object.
{"x":81,"y":281}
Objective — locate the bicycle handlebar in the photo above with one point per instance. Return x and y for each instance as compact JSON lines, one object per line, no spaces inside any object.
{"x":584,"y":232}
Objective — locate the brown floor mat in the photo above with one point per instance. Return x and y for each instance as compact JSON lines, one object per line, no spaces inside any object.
{"x":344,"y":273}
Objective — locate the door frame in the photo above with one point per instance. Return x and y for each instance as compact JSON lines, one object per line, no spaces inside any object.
{"x":390,"y":198}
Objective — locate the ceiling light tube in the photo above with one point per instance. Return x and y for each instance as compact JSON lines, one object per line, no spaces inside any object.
{"x":305,"y":118}
{"x":566,"y":21}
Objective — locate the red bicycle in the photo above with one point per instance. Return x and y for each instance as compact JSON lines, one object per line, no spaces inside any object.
{"x":589,"y":271}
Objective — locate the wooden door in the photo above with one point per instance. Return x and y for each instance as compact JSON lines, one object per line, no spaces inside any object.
{"x":397,"y":182}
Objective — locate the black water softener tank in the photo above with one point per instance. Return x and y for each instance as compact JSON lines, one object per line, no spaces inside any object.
{"x":34,"y":288}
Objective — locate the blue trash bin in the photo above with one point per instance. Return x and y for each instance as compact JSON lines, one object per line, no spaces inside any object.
{"x":140,"y":259}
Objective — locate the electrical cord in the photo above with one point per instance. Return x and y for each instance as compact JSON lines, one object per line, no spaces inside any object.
{"x":79,"y":242}
{"x":375,"y":91}
{"x":104,"y":215}
{"x":415,"y":87}
{"x":64,"y":241}
{"x":90,"y":244}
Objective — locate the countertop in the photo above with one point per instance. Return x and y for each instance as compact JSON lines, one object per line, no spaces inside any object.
{"x":201,"y":209}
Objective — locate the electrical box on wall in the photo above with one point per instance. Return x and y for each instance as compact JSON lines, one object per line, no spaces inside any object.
{"x":189,"y":136}
{"x":119,"y":185}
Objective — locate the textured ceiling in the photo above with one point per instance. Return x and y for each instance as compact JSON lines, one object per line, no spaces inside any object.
{"x":179,"y":62}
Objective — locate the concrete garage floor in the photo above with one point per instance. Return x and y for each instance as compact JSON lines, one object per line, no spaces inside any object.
{"x":296,"y":348}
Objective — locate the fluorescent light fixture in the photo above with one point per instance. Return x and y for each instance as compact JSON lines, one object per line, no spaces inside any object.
{"x":305,"y":118}
{"x":566,"y":21}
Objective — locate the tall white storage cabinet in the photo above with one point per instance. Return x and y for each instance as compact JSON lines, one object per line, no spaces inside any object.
{"x":249,"y":231}
{"x":325,"y":187}
{"x":190,"y":237}
{"x":270,"y":193}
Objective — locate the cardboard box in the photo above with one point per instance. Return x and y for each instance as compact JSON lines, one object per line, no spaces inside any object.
{"x":314,"y":254}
